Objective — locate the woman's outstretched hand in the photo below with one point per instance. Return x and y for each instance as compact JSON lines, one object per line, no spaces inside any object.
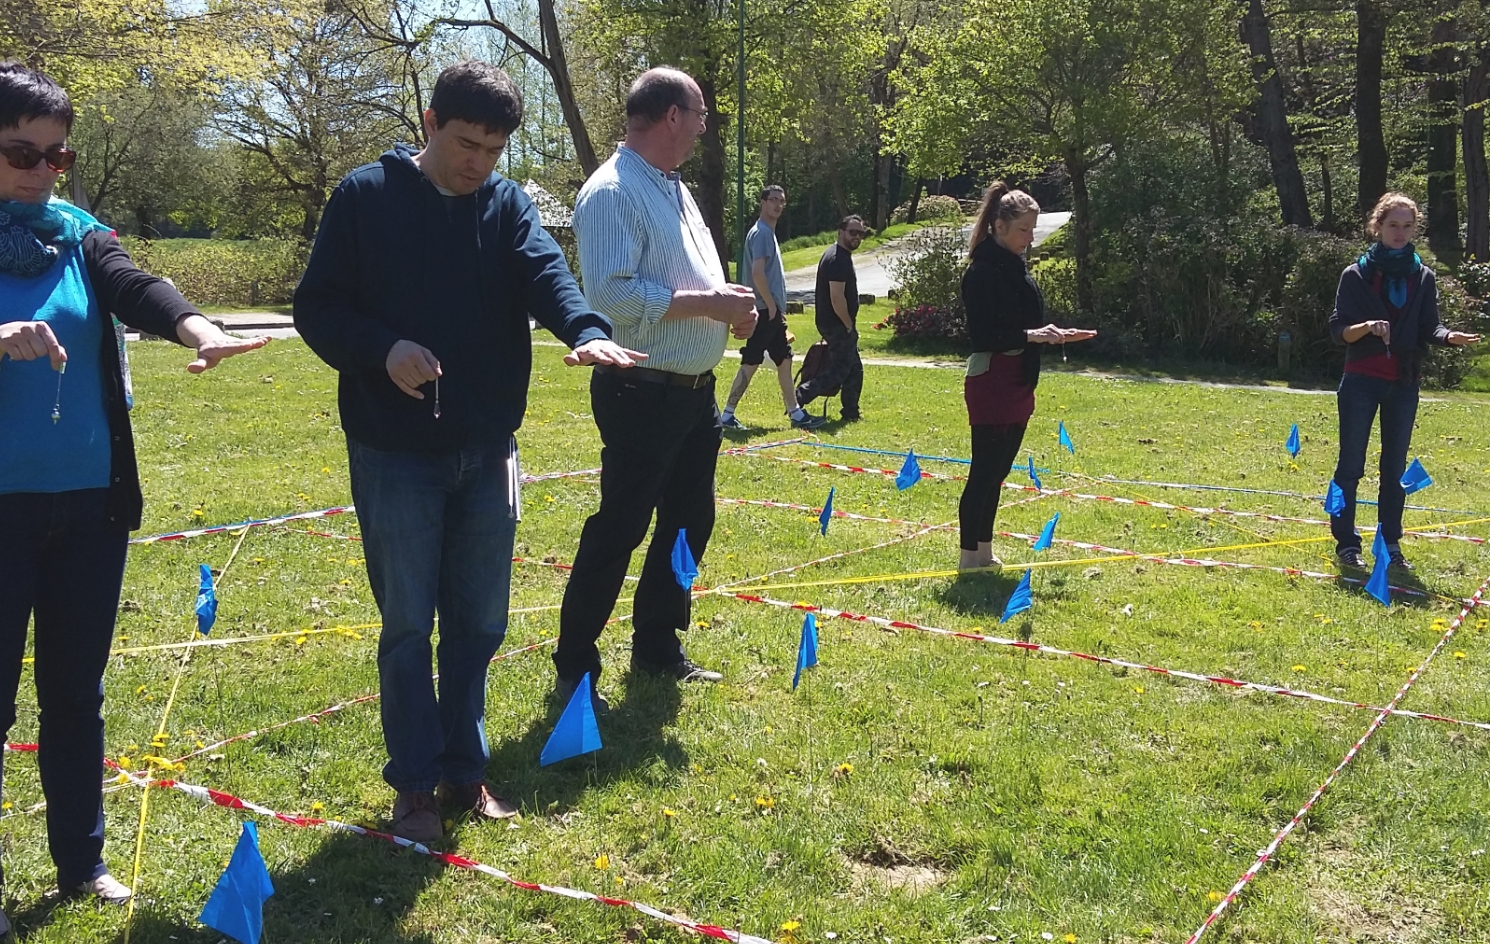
{"x":212,"y":343}
{"x":1050,"y":334}
{"x":1461,"y":338}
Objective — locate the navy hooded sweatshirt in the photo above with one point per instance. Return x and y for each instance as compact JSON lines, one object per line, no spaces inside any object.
{"x":395,"y":259}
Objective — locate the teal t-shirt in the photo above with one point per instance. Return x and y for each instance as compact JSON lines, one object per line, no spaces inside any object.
{"x":37,"y":454}
{"x":760,"y":243}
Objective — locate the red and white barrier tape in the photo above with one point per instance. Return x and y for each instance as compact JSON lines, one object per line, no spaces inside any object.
{"x":1103,"y":660}
{"x":254,"y":523}
{"x":855,"y":468}
{"x":701,"y":592}
{"x":231,"y":802}
{"x":1272,"y":847}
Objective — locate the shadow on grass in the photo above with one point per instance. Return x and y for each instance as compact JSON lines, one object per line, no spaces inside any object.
{"x":634,"y":733}
{"x":1408,"y":580}
{"x":981,"y":593}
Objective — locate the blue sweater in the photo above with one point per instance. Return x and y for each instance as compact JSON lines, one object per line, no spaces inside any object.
{"x":396,"y":260}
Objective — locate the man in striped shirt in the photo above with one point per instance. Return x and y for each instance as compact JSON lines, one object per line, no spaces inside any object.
{"x":648,"y":262}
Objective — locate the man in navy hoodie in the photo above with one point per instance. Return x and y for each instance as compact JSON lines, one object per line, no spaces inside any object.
{"x":418,"y":291}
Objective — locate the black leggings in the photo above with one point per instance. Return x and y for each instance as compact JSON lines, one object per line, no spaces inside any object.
{"x":994,"y":451}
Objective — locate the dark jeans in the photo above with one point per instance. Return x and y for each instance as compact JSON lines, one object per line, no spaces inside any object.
{"x":62,"y":561}
{"x":994,"y":449}
{"x":437,"y":530}
{"x":1358,"y":399}
{"x":844,"y":369}
{"x":661,"y":443}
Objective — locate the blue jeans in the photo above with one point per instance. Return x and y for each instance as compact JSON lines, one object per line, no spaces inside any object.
{"x":1358,"y":399}
{"x":437,"y":531}
{"x":62,"y":562}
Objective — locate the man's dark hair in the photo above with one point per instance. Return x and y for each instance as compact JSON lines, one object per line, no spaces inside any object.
{"x":770,"y":189}
{"x":477,"y":92}
{"x":851,"y":218}
{"x":27,"y":94}
{"x":654,"y":92}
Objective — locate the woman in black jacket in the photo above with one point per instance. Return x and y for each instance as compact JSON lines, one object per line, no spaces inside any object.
{"x":69,"y":487}
{"x":1005,"y":322}
{"x":1386,"y":313}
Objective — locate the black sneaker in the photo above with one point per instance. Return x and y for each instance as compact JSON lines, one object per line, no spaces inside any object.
{"x":564,"y":690}
{"x":683,"y":671}
{"x":1398,"y":562}
{"x":1350,"y":558}
{"x":851,"y":417}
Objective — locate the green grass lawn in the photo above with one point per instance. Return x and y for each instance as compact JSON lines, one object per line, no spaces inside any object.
{"x":916,"y":788}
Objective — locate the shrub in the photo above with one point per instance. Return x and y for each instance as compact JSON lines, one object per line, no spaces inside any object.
{"x":929,"y":323}
{"x":225,"y":272}
{"x":933,"y":207}
{"x":930,"y":271}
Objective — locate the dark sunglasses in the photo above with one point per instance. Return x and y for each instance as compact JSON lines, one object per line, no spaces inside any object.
{"x":25,"y":157}
{"x":857,"y":233}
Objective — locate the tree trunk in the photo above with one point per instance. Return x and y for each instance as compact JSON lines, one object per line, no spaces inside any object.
{"x":910,"y":212}
{"x":1443,"y":143}
{"x":1328,"y":183}
{"x":1371,"y":34}
{"x":1081,"y":230}
{"x":1476,"y":176}
{"x":1272,"y":117}
{"x":879,"y":186}
{"x":558,"y":70}
{"x":710,"y":193}
{"x":835,"y":180}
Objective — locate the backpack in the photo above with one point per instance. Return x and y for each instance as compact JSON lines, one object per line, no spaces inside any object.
{"x":814,"y":362}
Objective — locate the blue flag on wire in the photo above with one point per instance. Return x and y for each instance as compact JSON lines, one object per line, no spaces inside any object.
{"x":1035,"y":479}
{"x":1293,"y":441}
{"x":1416,"y":478}
{"x":826,"y":514}
{"x":1334,"y":500}
{"x":807,"y":649}
{"x":685,"y":569}
{"x":1019,"y":601}
{"x":576,"y":733}
{"x":236,"y":907}
{"x":1381,"y":558}
{"x":206,"y":602}
{"x":910,"y":473}
{"x":1066,"y":439}
{"x":1047,"y":534}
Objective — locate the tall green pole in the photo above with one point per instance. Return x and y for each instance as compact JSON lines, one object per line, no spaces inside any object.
{"x":740,"y":147}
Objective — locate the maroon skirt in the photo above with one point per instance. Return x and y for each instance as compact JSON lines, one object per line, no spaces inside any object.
{"x":999,"y":396}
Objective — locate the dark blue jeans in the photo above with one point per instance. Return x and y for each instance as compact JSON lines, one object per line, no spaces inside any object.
{"x":437,"y":530}
{"x":62,"y":562}
{"x":1359,"y":399}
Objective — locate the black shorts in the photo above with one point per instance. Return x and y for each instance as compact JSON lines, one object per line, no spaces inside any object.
{"x":769,"y":337}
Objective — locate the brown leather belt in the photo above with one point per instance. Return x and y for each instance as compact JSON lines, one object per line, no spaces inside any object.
{"x":648,"y":375}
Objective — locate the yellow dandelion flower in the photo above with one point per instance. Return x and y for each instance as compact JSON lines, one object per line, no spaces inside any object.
{"x":1138,"y":689}
{"x":1069,"y":939}
{"x":1301,"y":668}
{"x":1461,"y":655}
{"x":790,"y":926}
{"x":602,"y":862}
{"x":6,"y":805}
{"x":197,"y":513}
{"x":668,"y":812}
{"x":765,"y":802}
{"x":843,"y":770}
{"x":317,"y":806}
{"x":125,"y":763}
{"x":1214,"y":897}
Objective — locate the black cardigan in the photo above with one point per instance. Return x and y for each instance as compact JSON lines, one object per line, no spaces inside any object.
{"x":1357,"y":300}
{"x":141,"y":301}
{"x":1002,"y":301}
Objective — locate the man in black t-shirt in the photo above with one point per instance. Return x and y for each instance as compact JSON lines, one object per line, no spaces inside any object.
{"x":837,"y":305}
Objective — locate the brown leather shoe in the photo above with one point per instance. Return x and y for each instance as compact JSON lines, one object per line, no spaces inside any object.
{"x":476,"y":799}
{"x":416,"y":817}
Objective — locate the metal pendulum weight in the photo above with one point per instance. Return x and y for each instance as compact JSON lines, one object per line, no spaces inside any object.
{"x":57,"y":405}
{"x":437,"y":398}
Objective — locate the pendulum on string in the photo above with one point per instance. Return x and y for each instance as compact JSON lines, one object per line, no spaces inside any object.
{"x":57,"y":405}
{"x":437,"y":398}
{"x":1063,"y":352}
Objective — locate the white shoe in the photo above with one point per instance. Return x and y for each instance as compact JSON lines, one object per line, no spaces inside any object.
{"x":107,"y":889}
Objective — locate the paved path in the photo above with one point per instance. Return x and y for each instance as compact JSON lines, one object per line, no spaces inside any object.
{"x":871,"y":267}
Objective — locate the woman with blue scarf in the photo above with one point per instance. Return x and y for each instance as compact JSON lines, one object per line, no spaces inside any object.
{"x":69,"y":487}
{"x":1386,"y":313}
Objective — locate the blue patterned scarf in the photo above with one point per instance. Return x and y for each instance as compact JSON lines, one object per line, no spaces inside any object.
{"x":1394,"y":266}
{"x":33,"y":236}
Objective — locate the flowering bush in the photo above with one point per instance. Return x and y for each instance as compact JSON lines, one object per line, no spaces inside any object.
{"x":933,"y":206}
{"x":929,"y":323}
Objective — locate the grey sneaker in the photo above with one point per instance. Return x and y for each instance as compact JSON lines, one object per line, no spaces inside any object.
{"x":107,"y":889}
{"x":732,"y":422}
{"x":1350,"y":558}
{"x":808,"y":421}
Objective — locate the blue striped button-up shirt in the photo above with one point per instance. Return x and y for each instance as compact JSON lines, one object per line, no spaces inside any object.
{"x":641,"y":237}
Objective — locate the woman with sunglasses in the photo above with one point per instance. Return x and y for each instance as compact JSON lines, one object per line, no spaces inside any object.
{"x":69,"y":487}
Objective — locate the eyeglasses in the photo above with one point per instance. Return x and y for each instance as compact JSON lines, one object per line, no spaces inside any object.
{"x":25,"y":157}
{"x":857,"y":233}
{"x":703,"y":113}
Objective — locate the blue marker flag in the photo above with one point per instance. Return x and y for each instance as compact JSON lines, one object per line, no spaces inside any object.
{"x":236,"y":907}
{"x":685,"y":569}
{"x":1377,"y":585}
{"x":1334,"y":500}
{"x":1293,"y":441}
{"x":1047,"y":534}
{"x":1066,"y":439}
{"x":910,"y":473}
{"x":1416,"y":478}
{"x":206,"y":602}
{"x":826,"y":514}
{"x":1019,"y":601}
{"x":807,"y":649}
{"x":576,"y":733}
{"x":1035,"y":479}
